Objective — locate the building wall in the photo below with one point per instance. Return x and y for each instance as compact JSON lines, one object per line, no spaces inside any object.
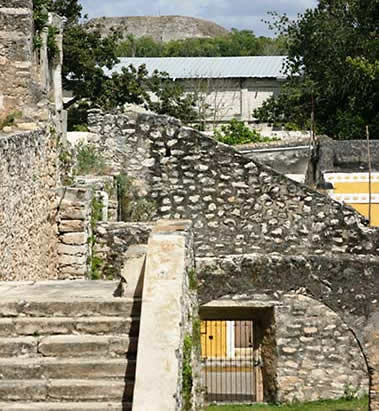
{"x":28,"y":229}
{"x":232,"y":98}
{"x":353,"y":188}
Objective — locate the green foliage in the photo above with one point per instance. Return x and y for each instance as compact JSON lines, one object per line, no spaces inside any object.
{"x":52,"y":48}
{"x":324,"y":405}
{"x":192,"y":279}
{"x":96,"y":212}
{"x":236,"y":132}
{"x":196,"y":334}
{"x":132,"y":207}
{"x":187,"y":381}
{"x":41,"y":10}
{"x":88,"y":160}
{"x":10,"y":119}
{"x":333,"y":55}
{"x":235,"y":43}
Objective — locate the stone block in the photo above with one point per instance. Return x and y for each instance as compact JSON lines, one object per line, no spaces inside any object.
{"x":73,"y":250}
{"x":74,"y":238}
{"x":33,"y":390}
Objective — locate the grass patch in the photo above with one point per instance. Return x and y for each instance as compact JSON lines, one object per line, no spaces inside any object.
{"x":360,"y":404}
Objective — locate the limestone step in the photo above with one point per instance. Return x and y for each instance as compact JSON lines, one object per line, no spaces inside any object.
{"x":65,"y":299}
{"x":69,"y":346}
{"x":74,"y":368}
{"x":40,"y":326}
{"x":70,"y":307}
{"x":66,"y":406}
{"x":66,"y":390}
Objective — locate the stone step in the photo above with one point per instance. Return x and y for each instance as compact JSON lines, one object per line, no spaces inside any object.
{"x":65,"y":299}
{"x":40,"y":307}
{"x":69,"y":346}
{"x":74,"y":368}
{"x":66,"y":406}
{"x":37,"y":326}
{"x":66,"y":390}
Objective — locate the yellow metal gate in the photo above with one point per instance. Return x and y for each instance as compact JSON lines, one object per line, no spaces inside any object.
{"x":231,"y":365}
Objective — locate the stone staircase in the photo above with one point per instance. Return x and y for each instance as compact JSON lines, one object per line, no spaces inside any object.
{"x":67,"y":345}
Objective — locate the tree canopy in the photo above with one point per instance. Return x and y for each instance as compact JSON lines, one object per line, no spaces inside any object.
{"x":86,"y":53}
{"x":236,"y":43}
{"x":333,"y":53}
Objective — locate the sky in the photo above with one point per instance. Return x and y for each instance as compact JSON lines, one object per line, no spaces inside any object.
{"x":239,"y":14}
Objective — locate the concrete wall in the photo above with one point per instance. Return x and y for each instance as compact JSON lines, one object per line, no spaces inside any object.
{"x":28,"y":206}
{"x":224,"y":99}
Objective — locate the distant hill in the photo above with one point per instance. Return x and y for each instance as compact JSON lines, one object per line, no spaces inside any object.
{"x":160,"y":28}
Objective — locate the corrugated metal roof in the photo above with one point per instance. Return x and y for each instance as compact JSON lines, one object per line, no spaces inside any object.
{"x":209,"y":67}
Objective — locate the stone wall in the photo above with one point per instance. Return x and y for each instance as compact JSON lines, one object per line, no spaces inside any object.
{"x":18,"y":91}
{"x":74,"y":228}
{"x":307,"y":351}
{"x":28,"y":206}
{"x":30,"y":84}
{"x":237,"y":205}
{"x":318,"y":356}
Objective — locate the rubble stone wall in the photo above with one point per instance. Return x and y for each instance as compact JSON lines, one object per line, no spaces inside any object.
{"x":28,"y":206}
{"x":318,"y":356}
{"x":237,"y":204}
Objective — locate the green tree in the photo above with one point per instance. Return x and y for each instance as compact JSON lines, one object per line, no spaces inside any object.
{"x":332,"y":54}
{"x":86,"y":53}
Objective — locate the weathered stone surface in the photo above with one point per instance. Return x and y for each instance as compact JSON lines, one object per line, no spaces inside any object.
{"x":18,"y":346}
{"x":81,"y":345}
{"x":27,"y":199}
{"x":66,"y":406}
{"x":35,"y":390}
{"x":85,"y":390}
{"x":239,"y":205}
{"x":70,"y":226}
{"x":74,"y":238}
{"x":63,"y":325}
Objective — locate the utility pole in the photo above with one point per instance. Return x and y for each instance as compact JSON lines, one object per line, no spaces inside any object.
{"x":369,"y":174}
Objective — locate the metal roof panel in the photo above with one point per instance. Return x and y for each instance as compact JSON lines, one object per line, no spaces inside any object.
{"x":209,"y":67}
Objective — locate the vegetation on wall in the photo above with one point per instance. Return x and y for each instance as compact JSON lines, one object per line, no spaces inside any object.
{"x":187,"y":380}
{"x":333,"y":68}
{"x":132,"y":206}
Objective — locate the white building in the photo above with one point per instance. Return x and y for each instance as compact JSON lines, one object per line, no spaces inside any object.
{"x":228,"y":87}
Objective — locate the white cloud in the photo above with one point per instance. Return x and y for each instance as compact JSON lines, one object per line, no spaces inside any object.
{"x":240,"y":14}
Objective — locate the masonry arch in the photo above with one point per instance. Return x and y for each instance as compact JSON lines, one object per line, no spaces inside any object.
{"x":308,"y":351}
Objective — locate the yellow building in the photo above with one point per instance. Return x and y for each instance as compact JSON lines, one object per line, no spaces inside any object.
{"x":353,"y":189}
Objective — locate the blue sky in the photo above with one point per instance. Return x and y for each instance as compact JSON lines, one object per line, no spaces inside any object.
{"x":240,"y":14}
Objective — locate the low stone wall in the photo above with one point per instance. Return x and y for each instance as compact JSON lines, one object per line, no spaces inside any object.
{"x":74,"y":214}
{"x":165,"y":306}
{"x":28,"y":229}
{"x":113,"y":240}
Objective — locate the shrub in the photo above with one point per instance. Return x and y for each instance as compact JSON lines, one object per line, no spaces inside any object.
{"x":236,"y":132}
{"x":132,"y":207}
{"x":88,"y":160}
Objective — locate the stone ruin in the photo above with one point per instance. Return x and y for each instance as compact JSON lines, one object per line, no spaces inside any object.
{"x":305,"y":265}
